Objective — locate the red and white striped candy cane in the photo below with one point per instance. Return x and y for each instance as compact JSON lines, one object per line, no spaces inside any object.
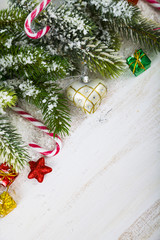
{"x":154,"y":4}
{"x":39,"y":125}
{"x":31,"y":17}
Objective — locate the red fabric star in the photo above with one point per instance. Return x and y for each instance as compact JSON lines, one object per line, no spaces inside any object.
{"x":38,"y":170}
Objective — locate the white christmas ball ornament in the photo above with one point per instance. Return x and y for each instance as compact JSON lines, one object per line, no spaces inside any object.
{"x":87,"y":96}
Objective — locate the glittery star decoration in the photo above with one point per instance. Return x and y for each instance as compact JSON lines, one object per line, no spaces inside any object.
{"x":134,"y":2}
{"x":38,"y":170}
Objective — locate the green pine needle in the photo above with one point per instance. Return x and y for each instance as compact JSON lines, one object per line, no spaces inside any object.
{"x":32,"y":62}
{"x":52,"y":103}
{"x":8,"y":98}
{"x":12,"y":149}
{"x":11,"y":17}
{"x":100,"y":58}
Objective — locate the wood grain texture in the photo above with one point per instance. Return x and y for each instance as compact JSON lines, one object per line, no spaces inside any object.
{"x":145,"y":226}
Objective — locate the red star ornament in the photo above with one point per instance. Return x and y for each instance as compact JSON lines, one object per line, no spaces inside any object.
{"x":134,"y":2}
{"x":38,"y":170}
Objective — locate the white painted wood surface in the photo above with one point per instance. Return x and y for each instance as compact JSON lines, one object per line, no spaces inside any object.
{"x":105,"y":184}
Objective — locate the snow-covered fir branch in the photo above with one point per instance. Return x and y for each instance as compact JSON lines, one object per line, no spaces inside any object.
{"x":69,"y":27}
{"x":8,"y":98}
{"x":47,"y":97}
{"x":24,"y":4}
{"x":12,"y":17}
{"x":12,"y":149}
{"x":29,"y":90}
{"x":122,"y":19}
{"x":34,"y":62}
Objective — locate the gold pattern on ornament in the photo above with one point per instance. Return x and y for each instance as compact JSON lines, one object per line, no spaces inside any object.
{"x":94,"y":105}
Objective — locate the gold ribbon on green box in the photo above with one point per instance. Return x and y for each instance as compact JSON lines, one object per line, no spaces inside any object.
{"x":139,"y":62}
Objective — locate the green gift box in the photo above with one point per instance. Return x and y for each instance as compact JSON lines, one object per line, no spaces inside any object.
{"x":139,"y":62}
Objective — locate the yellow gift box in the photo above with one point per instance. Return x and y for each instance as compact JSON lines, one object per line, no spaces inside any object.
{"x":7,"y":204}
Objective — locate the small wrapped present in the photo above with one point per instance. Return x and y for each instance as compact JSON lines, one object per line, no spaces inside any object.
{"x":139,"y":62}
{"x":7,"y":204}
{"x":7,"y":175}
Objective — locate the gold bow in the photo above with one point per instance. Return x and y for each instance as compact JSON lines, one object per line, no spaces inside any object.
{"x":137,"y":60}
{"x":4,"y":175}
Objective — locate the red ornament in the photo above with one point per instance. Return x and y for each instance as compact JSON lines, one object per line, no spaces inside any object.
{"x":7,"y":175}
{"x":38,"y":170}
{"x":133,"y":2}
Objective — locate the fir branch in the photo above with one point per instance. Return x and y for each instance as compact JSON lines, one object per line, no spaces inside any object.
{"x":12,"y":149}
{"x":12,"y":35}
{"x":100,"y":58}
{"x":70,"y":27}
{"x":125,"y":19}
{"x":143,"y":33}
{"x":133,"y":26}
{"x":32,"y":62}
{"x":70,"y":35}
{"x":11,"y":27}
{"x":74,"y":33}
{"x":23,"y":4}
{"x":53,"y":104}
{"x":11,"y":17}
{"x":109,"y":37}
{"x":8,"y":98}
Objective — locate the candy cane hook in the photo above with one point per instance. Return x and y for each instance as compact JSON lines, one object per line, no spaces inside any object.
{"x":154,"y":4}
{"x":31,"y":17}
{"x":39,"y":125}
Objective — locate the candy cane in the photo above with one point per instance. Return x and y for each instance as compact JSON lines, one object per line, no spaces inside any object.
{"x":30,"y":18}
{"x":154,"y":4}
{"x":39,"y":125}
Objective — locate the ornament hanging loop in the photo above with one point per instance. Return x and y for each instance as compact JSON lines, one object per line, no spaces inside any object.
{"x":84,"y":73}
{"x":31,"y":17}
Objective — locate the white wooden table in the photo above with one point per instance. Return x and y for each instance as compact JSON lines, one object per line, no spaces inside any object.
{"x":105,"y":184}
